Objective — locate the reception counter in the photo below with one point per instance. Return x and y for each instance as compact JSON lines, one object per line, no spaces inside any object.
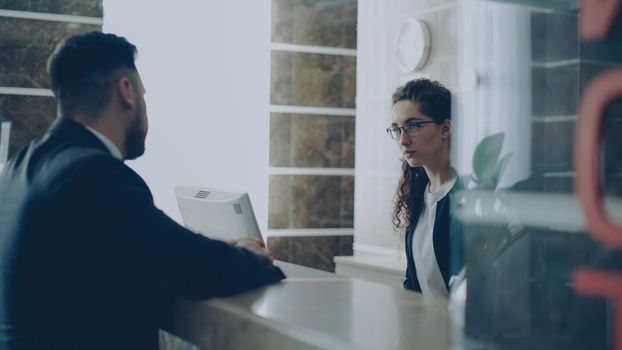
{"x":313,"y":309}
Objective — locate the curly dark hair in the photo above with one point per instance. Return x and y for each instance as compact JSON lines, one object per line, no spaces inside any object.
{"x":434,"y":101}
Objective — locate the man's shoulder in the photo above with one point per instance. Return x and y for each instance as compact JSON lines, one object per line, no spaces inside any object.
{"x":83,"y":173}
{"x":92,"y":163}
{"x":68,"y":158}
{"x":78,"y":155}
{"x":56,"y":165}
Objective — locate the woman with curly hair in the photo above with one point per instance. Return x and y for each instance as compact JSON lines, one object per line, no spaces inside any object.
{"x":421,"y":125}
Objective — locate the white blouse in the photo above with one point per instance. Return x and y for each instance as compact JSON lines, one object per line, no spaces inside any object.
{"x":428,"y":272}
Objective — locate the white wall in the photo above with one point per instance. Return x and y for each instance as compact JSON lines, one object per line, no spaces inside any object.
{"x":206,"y":69}
{"x":495,"y":47}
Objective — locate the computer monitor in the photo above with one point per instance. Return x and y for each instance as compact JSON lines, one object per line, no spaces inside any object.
{"x":217,"y":213}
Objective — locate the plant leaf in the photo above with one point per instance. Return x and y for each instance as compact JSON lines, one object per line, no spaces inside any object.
{"x":486,"y":156}
{"x":503,"y":163}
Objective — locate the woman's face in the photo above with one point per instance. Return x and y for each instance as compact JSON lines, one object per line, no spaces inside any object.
{"x":425,"y":143}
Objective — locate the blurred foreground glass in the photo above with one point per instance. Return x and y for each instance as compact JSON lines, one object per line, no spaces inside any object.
{"x":524,"y":68}
{"x":5,"y":131}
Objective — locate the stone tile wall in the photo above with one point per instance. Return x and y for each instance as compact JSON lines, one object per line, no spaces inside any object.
{"x":25,"y":45}
{"x":313,"y":251}
{"x":88,"y":8}
{"x":312,"y":199}
{"x":317,"y":80}
{"x":309,"y":141}
{"x":30,"y":116}
{"x":549,"y":313}
{"x":329,"y":23}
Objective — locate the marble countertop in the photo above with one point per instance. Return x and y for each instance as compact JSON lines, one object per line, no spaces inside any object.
{"x":392,"y":264}
{"x":313,"y":309}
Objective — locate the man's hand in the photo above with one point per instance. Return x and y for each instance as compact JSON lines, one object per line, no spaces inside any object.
{"x":255,"y":246}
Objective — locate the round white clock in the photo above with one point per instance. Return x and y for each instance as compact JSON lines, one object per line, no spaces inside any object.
{"x":412,"y":45}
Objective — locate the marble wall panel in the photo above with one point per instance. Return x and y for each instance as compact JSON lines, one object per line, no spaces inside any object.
{"x":604,"y":50}
{"x":279,"y":199}
{"x":546,"y":182}
{"x":538,"y":26}
{"x":311,"y":141}
{"x":312,"y":251}
{"x":346,"y":246}
{"x":612,"y":185}
{"x":346,"y":203}
{"x":89,"y":8}
{"x":281,"y":153}
{"x":322,"y":202}
{"x":612,"y":148}
{"x":317,"y":80}
{"x":555,"y":91}
{"x":305,"y":201}
{"x":564,"y":183}
{"x":613,"y":112}
{"x":559,"y":315}
{"x":280,"y":247}
{"x":596,"y":51}
{"x":552,"y":146}
{"x":590,"y":70}
{"x":611,"y":133}
{"x":30,"y":116}
{"x":25,"y":46}
{"x":551,"y":314}
{"x":317,"y":252}
{"x":329,"y":23}
{"x":559,"y":184}
{"x":554,"y":36}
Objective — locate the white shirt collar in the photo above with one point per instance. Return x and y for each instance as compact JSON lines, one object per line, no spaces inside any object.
{"x":112,"y":148}
{"x":433,"y":197}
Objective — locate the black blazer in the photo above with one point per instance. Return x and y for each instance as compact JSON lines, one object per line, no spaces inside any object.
{"x":86,"y":259}
{"x":446,"y":238}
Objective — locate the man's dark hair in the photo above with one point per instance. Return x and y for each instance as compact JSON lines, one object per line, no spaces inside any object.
{"x":433,"y":98}
{"x":84,"y":68}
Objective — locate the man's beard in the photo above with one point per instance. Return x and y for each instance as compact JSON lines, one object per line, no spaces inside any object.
{"x":135,"y":139}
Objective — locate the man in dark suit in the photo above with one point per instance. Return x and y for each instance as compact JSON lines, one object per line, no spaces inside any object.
{"x":86,"y":259}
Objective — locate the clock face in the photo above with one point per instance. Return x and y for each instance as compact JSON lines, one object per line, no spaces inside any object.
{"x":413,"y":45}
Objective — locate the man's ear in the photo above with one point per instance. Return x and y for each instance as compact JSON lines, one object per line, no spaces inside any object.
{"x":125,"y":92}
{"x":446,"y":128}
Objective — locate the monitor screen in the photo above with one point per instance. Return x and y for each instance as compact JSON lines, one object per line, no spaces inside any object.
{"x":217,"y":213}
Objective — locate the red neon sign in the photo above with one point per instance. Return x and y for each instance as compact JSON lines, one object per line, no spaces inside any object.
{"x":597,"y":18}
{"x":599,"y":93}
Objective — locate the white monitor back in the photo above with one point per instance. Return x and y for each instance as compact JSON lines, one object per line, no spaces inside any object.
{"x":217,"y":213}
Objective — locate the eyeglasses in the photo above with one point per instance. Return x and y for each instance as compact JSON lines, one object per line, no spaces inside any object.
{"x":411,"y":129}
